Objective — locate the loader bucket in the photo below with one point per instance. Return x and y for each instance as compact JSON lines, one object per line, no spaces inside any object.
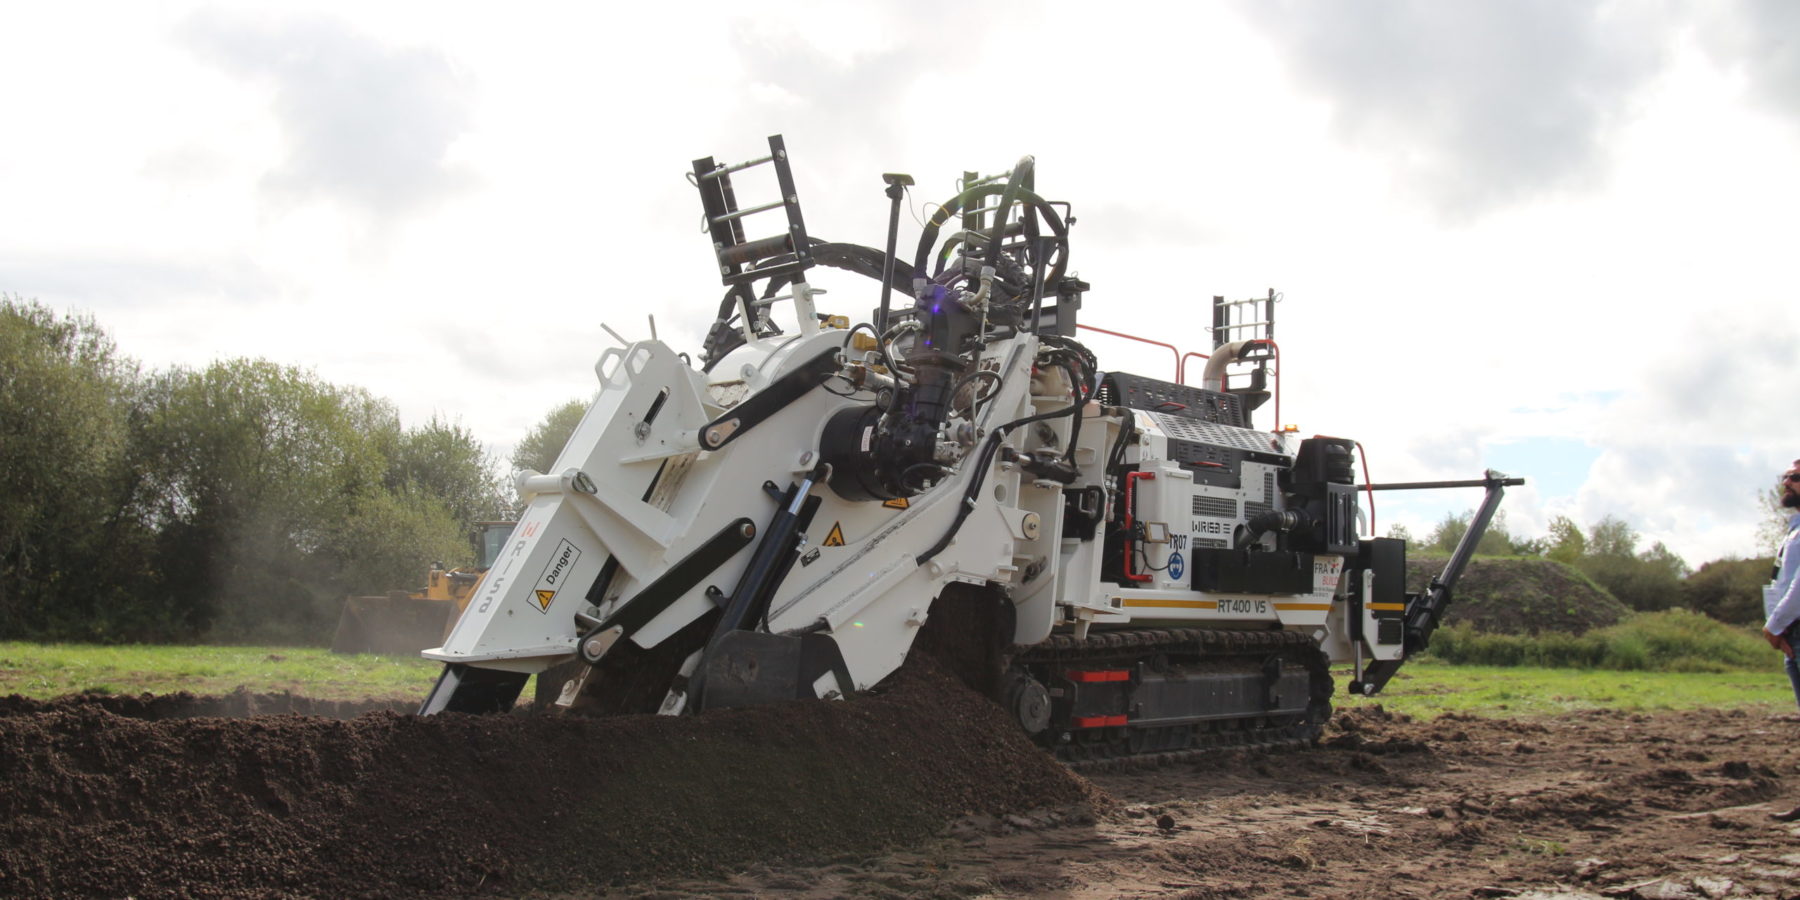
{"x":396,"y":625}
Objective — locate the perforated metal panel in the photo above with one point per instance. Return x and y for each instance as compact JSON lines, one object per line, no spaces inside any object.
{"x":1255,"y":507}
{"x":1187,"y":429}
{"x":1216,"y":507}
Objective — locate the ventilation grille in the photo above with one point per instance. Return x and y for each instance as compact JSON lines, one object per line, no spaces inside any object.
{"x":1215,"y":507}
{"x":1254,"y":507}
{"x":1209,"y":433}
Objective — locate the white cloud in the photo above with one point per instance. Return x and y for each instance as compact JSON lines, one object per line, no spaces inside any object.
{"x":444,"y":211}
{"x":366,"y":124}
{"x":1475,"y":104}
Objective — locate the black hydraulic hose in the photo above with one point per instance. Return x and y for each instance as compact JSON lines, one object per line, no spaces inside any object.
{"x":976,"y":401}
{"x":988,"y":448}
{"x":880,"y":346}
{"x":950,"y":208}
{"x":1127,"y":431}
{"x":1014,"y":184}
{"x":1088,"y":364}
{"x":1075,"y":424}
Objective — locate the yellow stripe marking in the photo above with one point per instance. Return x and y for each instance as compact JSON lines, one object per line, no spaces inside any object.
{"x":1171,"y":604}
{"x":1303,"y":607}
{"x":1387,"y":607}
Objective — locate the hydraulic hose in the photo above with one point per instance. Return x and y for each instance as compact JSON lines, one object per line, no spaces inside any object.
{"x":991,"y":446}
{"x":934,"y":224}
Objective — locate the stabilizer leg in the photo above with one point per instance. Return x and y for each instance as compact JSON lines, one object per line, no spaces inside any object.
{"x":464,"y":688}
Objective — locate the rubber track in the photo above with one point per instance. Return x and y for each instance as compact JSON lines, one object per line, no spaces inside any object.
{"x":1101,"y":646}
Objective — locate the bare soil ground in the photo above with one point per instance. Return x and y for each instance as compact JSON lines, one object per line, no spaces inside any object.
{"x":920,"y":792}
{"x":1675,"y":805}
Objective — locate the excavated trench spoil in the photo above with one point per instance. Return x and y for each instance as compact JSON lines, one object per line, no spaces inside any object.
{"x":204,"y":797}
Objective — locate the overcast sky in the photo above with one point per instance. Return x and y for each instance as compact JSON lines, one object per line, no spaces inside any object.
{"x":1547,"y":236}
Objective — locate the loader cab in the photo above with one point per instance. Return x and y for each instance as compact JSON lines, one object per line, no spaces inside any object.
{"x":489,"y":538}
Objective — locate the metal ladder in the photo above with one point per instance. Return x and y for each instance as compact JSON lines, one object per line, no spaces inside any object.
{"x":737,"y":255}
{"x":1238,"y":320}
{"x":1235,"y":320}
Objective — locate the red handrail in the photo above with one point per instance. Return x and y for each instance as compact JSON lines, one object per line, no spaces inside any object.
{"x":1182,"y":358}
{"x":1133,"y":337}
{"x":1369,"y":484}
{"x":1181,"y":367}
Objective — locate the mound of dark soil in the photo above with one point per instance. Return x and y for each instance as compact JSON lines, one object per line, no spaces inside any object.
{"x":237,"y":704}
{"x":98,"y":803}
{"x":1521,"y":596}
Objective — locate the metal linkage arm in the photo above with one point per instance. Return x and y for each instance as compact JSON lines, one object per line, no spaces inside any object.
{"x":1424,"y":612}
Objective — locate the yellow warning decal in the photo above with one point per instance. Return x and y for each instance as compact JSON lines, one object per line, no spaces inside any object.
{"x":556,"y":574}
{"x":836,"y":537}
{"x":896,"y":503}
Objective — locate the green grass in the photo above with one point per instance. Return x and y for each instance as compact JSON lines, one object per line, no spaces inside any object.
{"x":1674,"y":640}
{"x":1426,"y":689}
{"x":51,"y":670}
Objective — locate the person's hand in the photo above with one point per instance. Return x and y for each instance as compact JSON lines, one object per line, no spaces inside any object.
{"x":1776,"y":641}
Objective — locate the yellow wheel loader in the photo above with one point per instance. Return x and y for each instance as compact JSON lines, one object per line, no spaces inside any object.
{"x":402,"y":623}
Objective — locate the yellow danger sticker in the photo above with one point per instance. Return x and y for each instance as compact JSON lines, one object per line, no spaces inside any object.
{"x":557,"y":572}
{"x":836,"y":537}
{"x":896,"y":503}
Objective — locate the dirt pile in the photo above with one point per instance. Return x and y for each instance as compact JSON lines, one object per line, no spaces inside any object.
{"x":237,"y":704}
{"x":1521,"y":596}
{"x":1585,"y":806}
{"x":100,"y":803}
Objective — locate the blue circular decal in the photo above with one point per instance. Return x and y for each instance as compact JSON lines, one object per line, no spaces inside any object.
{"x":1175,"y":565}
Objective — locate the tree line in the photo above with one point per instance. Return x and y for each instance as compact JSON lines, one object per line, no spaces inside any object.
{"x":1650,"y":579}
{"x":241,"y":501}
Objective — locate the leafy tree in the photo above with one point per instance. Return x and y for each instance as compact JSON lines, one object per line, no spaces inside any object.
{"x":1648,"y":581}
{"x":67,"y":536}
{"x":541,"y":446}
{"x":1565,"y":543}
{"x":444,"y":461}
{"x":1774,"y":525}
{"x":1495,"y":541}
{"x":1729,"y":590}
{"x":274,"y":499}
{"x":1400,"y":532}
{"x":68,"y":540}
{"x":1612,"y":536}
{"x":243,"y":500}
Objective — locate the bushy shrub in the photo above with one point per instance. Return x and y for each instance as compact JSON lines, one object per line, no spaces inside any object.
{"x":1730,"y":590}
{"x":1675,"y":640}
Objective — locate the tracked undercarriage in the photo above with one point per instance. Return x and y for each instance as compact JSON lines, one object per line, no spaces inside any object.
{"x":1170,"y":693}
{"x":1145,"y":571}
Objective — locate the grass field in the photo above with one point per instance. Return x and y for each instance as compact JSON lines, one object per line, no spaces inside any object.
{"x":1426,"y":689}
{"x":51,"y":670}
{"x":1423,"y":689}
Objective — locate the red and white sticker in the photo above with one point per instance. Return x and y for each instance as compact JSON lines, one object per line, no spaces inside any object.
{"x":1326,"y":572}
